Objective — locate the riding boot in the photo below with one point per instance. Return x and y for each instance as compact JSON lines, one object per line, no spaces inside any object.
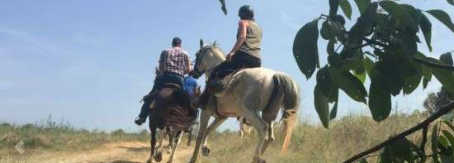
{"x":144,"y":111}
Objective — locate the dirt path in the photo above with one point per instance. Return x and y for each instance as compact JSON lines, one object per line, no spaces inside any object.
{"x":124,"y":152}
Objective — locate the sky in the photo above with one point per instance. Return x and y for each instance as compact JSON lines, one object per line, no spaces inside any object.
{"x":88,"y":63}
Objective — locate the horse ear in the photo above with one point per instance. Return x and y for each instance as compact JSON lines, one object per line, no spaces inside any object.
{"x":201,"y":43}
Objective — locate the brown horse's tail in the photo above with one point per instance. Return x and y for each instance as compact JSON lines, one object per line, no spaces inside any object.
{"x":290,"y":104}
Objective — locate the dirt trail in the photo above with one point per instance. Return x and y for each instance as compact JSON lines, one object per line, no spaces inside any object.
{"x":124,"y":152}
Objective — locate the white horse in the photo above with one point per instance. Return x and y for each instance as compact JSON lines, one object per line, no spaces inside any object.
{"x":249,"y":92}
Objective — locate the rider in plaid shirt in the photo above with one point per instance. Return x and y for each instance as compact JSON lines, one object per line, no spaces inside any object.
{"x":174,"y":63}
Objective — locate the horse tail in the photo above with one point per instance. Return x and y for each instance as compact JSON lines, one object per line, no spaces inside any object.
{"x":290,"y":104}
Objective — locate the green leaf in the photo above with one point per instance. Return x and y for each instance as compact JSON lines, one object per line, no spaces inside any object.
{"x":451,"y":2}
{"x":386,"y":156}
{"x":223,"y":7}
{"x":434,"y":140}
{"x":346,"y":8}
{"x":442,"y":17}
{"x":324,"y":81}
{"x":449,"y":136}
{"x":351,"y":85}
{"x":330,"y":47}
{"x":333,"y":7}
{"x":399,"y":12}
{"x":362,"y":5}
{"x":333,"y":112}
{"x":449,"y":125}
{"x":326,"y":31}
{"x":305,"y":48}
{"x":445,"y":77}
{"x":411,"y":83}
{"x":369,"y":66}
{"x":426,"y":28}
{"x":363,"y":160}
{"x":446,"y":58}
{"x":402,"y":148}
{"x":321,"y":106}
{"x":364,"y":25}
{"x":444,"y":142}
{"x":390,"y":71}
{"x":379,"y":99}
{"x":361,"y":76}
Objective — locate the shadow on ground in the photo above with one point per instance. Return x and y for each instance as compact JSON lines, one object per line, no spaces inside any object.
{"x":136,"y":149}
{"x":120,"y":161}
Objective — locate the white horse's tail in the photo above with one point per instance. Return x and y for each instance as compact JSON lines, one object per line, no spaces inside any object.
{"x":290,"y":104}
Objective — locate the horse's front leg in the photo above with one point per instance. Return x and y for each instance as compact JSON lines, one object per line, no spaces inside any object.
{"x":175,"y":145}
{"x":216,"y":123}
{"x":153,"y":144}
{"x":161,"y":136}
{"x":204,"y":119}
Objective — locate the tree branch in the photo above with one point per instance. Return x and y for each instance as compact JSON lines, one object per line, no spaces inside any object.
{"x":434,"y":65}
{"x":443,"y":110}
{"x":423,"y":144}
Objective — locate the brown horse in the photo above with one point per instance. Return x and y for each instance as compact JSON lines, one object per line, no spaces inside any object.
{"x":173,"y":111}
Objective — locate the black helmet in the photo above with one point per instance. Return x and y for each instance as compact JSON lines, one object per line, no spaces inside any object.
{"x":176,"y":41}
{"x":246,"y":12}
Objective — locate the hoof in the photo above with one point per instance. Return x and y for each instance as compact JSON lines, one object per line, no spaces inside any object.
{"x":205,"y":151}
{"x":149,"y":160}
{"x":258,"y":160}
{"x":158,"y":157}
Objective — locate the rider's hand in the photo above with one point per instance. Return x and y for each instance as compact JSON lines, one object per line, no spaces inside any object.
{"x":229,"y":56}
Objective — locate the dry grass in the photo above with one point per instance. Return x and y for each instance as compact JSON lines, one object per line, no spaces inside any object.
{"x":52,"y":137}
{"x":310,"y":143}
{"x":313,"y":143}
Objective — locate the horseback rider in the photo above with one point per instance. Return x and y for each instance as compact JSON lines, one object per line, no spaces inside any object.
{"x":190,"y":85}
{"x":245,"y":53}
{"x":174,"y":63}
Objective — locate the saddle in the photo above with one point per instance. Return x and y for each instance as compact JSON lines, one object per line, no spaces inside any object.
{"x":219,"y":85}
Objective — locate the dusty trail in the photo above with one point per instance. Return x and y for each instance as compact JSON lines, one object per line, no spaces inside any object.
{"x":123,"y":152}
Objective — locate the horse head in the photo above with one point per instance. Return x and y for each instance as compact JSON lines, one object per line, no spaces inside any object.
{"x":207,"y":58}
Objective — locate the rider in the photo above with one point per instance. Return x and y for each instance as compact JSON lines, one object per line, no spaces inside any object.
{"x":174,"y":63}
{"x":245,"y":53}
{"x":190,"y":84}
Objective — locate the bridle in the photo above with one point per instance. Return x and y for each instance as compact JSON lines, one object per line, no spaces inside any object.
{"x":199,"y":58}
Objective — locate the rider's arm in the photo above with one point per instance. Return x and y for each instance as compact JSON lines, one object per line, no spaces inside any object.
{"x":161,"y":60}
{"x":188,"y":64}
{"x":242,"y":37}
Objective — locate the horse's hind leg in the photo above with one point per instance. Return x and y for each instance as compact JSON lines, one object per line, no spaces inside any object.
{"x":153,"y":144}
{"x":261,"y":127}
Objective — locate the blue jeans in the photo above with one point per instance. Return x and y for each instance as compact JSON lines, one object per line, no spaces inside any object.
{"x":166,"y":77}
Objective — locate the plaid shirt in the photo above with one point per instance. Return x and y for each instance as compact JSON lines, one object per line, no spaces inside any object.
{"x":174,"y":60}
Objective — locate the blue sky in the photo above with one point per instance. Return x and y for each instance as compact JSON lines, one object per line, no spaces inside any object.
{"x":89,"y":62}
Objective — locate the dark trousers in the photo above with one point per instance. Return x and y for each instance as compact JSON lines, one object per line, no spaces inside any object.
{"x":166,"y":77}
{"x":239,"y":60}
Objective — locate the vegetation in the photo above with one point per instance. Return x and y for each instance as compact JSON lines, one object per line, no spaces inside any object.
{"x":52,"y":136}
{"x":313,"y":143}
